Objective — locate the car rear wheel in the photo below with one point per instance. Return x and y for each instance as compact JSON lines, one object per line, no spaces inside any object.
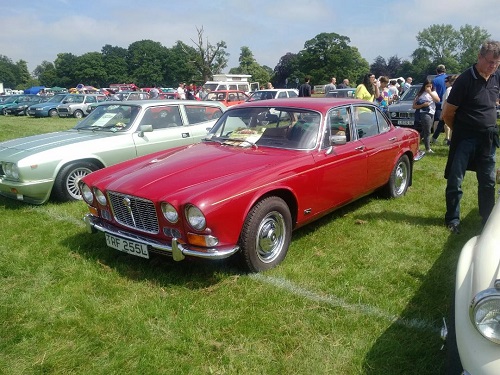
{"x":266,"y":234}
{"x":78,"y":114}
{"x":400,"y":178}
{"x":66,"y":183}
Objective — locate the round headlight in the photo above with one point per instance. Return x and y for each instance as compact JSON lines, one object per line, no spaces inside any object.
{"x":195,"y":218}
{"x":486,"y":317}
{"x":101,"y":198}
{"x":87,"y":193}
{"x":14,"y":171}
{"x":169,"y":212}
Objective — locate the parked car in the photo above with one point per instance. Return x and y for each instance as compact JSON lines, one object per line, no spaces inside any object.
{"x":122,"y":95}
{"x":342,"y":93}
{"x":21,"y":106}
{"x":265,"y":169}
{"x":77,"y":105}
{"x":228,"y":97}
{"x":34,"y":167}
{"x":401,"y":112}
{"x":273,"y":94}
{"x":13,"y":100}
{"x":474,"y":327}
{"x":47,"y":108}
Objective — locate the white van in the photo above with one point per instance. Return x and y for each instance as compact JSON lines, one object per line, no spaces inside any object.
{"x":231,"y":82}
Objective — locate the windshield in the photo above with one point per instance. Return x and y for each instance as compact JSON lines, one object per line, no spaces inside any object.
{"x":12,"y":99}
{"x":410,"y":94}
{"x":72,"y":98}
{"x":57,"y":98}
{"x":261,"y":95}
{"x":110,"y":118}
{"x":288,"y":128}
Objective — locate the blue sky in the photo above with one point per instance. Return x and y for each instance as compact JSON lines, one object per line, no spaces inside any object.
{"x":36,"y":30}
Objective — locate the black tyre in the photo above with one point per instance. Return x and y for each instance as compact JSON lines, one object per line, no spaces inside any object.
{"x":78,"y":114}
{"x":4,"y":112}
{"x":266,"y":234}
{"x":66,"y":183}
{"x":400,"y":178}
{"x":53,"y":112}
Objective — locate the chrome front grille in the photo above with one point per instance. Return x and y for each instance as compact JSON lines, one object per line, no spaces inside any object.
{"x":134,"y":212}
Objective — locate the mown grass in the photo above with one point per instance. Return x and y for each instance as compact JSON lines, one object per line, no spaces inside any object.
{"x":362,"y":291}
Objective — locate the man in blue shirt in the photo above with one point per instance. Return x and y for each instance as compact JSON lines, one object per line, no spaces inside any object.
{"x":440,"y":87}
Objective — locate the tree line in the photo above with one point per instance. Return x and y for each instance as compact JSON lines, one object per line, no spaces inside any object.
{"x":147,"y":62}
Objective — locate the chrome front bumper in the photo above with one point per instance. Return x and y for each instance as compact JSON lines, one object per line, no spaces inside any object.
{"x":178,"y":250}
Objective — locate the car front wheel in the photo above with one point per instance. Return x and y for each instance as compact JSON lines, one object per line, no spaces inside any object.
{"x":266,"y":234}
{"x":53,"y":113}
{"x":78,"y":114}
{"x":400,"y":178}
{"x":66,"y":183}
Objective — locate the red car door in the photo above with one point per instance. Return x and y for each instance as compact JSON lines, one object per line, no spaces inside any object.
{"x":342,"y":169}
{"x":381,"y":145}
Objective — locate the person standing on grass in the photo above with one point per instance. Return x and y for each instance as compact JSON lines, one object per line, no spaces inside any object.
{"x":470,"y":112}
{"x":305,"y":88}
{"x":425,"y":106}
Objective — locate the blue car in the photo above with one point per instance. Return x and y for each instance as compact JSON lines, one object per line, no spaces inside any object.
{"x":48,"y":108}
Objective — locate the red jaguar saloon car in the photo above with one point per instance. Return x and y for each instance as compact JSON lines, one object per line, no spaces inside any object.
{"x":265,"y":169}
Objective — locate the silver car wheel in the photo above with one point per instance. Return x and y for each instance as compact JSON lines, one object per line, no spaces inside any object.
{"x":270,"y":237}
{"x":72,"y":181}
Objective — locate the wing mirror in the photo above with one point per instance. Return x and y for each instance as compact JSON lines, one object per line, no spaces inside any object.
{"x":338,"y":140}
{"x":144,"y":129}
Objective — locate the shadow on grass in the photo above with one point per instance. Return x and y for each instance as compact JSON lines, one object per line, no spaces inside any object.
{"x":191,"y":272}
{"x":406,"y":348}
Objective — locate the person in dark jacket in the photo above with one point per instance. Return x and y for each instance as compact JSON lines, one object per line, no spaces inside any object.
{"x":305,"y":88}
{"x":470,"y":112}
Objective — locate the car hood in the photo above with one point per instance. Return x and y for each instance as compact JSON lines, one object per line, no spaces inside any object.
{"x":201,"y":170}
{"x":401,"y":106}
{"x":20,"y":148}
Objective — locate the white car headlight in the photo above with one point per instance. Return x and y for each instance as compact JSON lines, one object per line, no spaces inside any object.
{"x":87,"y":194}
{"x":195,"y":217}
{"x":169,"y":212}
{"x":485,"y":314}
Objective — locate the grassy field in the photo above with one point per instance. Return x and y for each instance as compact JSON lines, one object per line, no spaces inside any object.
{"x":362,"y":291}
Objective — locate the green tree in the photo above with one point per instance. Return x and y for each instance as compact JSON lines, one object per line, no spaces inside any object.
{"x":65,"y":69}
{"x":471,"y":38}
{"x":146,"y":61}
{"x":329,"y":55}
{"x":115,"y":64}
{"x":24,"y":75}
{"x":8,"y":72}
{"x":286,"y":72}
{"x":248,"y":65}
{"x":89,"y":69}
{"x":180,"y":65}
{"x":46,"y":74}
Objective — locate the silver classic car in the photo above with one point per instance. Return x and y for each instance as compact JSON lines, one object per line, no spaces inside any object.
{"x":33,"y":168}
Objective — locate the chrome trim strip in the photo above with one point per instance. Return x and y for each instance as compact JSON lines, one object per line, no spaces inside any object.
{"x":179,"y":251}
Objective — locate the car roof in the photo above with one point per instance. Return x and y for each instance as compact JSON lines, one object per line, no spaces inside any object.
{"x":150,"y":102}
{"x":319,"y":104}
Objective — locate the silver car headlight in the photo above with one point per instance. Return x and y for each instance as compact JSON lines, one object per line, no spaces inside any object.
{"x":101,"y":198}
{"x":195,"y":217}
{"x":11,"y":170}
{"x":169,"y":212}
{"x":485,"y":314}
{"x":87,"y":194}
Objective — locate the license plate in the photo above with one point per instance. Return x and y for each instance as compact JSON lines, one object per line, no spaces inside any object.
{"x":127,"y":246}
{"x":405,"y":122}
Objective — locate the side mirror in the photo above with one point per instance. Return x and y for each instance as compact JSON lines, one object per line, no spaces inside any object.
{"x":144,"y":129}
{"x":338,"y":140}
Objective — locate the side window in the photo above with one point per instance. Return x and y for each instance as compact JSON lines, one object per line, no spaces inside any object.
{"x":233,"y":87}
{"x":243,"y":87}
{"x":366,"y":121}
{"x":197,"y":114}
{"x":338,"y":124}
{"x":383,"y":125}
{"x":292,"y":94}
{"x":162,"y":117}
{"x":282,"y":94}
{"x":90,"y":99}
